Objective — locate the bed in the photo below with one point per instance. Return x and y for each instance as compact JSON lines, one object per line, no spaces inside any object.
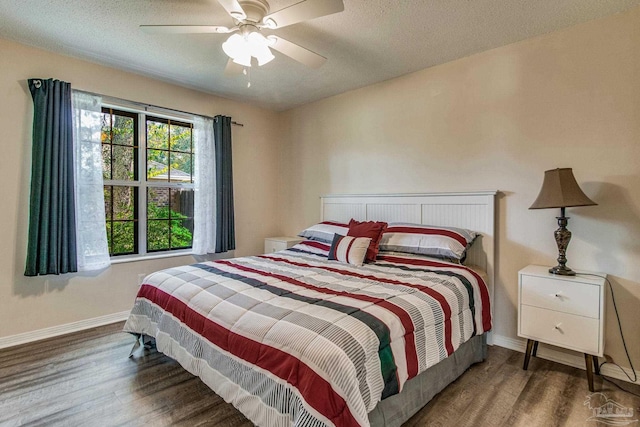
{"x":293,"y":338}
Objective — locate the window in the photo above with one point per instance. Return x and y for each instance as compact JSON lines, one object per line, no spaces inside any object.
{"x":148,"y":182}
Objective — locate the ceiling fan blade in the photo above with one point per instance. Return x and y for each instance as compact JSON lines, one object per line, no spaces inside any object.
{"x":232,"y":69}
{"x":185,"y":29}
{"x":302,"y":11}
{"x":233,"y":8}
{"x":297,"y":52}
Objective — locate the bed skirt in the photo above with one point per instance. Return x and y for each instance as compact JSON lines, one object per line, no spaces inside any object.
{"x":418,"y":391}
{"x":390,"y":412}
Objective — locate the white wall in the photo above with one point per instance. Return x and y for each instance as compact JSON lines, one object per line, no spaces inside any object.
{"x":498,"y":120}
{"x":29,"y":304}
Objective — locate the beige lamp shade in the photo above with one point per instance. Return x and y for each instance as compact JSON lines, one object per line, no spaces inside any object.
{"x":560,"y":190}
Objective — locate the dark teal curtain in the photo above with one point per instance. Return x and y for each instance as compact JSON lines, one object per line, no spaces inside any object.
{"x":51,"y":247}
{"x":225,"y":228}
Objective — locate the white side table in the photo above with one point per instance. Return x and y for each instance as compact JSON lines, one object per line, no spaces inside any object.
{"x":275,"y":244}
{"x":565,"y":311}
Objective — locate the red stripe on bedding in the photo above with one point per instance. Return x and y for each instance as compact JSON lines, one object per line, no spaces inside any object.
{"x":338,"y":224}
{"x":316,"y":244}
{"x":348,"y":253}
{"x":436,"y":231}
{"x":315,"y":390}
{"x":484,"y":292}
{"x":405,"y":318}
{"x":412,"y":356}
{"x":410,"y":349}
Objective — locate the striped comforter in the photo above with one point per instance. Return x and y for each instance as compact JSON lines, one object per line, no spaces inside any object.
{"x":291,"y":338}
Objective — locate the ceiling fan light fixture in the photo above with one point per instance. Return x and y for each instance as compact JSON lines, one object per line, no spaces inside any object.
{"x":240,"y":48}
{"x":259,"y":48}
{"x":234,"y":46}
{"x":244,"y":60}
{"x":255,"y":38}
{"x":265,"y":56}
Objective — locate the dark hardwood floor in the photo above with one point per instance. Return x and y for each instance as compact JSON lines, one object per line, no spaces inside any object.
{"x":86,"y":379}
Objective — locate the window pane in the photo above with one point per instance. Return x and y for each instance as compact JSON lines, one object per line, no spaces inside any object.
{"x":157,"y":235}
{"x":109,"y":237}
{"x":181,"y":234}
{"x":123,"y":163}
{"x":123,"y":130}
{"x":121,"y":215}
{"x":181,"y":218}
{"x":180,"y":138}
{"x":157,"y":169}
{"x":158,"y":203}
{"x":106,"y":128}
{"x":124,"y":202}
{"x":169,"y":203}
{"x":123,"y":237}
{"x":182,"y":202}
{"x":157,"y":135}
{"x":181,"y":165}
{"x":107,"y":202}
{"x":106,"y":161}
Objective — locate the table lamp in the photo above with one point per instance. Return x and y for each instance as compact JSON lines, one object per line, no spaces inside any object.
{"x":560,"y":190}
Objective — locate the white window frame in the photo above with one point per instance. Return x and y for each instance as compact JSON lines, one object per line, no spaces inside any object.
{"x":142,"y":184}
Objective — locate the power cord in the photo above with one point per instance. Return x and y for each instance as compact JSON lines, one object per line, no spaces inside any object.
{"x":617,"y":385}
{"x":624,"y":342}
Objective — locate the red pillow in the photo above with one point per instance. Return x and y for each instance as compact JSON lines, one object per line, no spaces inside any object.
{"x":371,"y":229}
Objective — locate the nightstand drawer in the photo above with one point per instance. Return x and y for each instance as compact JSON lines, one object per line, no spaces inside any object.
{"x":561,"y":295}
{"x":565,"y":330}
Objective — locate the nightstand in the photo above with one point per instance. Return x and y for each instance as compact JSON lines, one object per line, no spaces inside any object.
{"x":565,"y":311}
{"x":275,"y":244}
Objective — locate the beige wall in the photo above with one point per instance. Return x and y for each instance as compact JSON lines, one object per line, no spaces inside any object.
{"x":28,"y":304}
{"x":498,"y":120}
{"x":495,"y":120}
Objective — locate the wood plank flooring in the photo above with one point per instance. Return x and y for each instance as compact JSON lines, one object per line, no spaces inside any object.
{"x":86,"y":379}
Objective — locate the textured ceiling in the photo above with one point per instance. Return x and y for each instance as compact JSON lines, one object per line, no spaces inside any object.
{"x":371,"y":41}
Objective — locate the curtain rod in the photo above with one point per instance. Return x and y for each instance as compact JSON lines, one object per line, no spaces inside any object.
{"x":142,"y":104}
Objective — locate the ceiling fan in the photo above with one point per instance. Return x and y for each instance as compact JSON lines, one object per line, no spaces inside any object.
{"x":250,"y":17}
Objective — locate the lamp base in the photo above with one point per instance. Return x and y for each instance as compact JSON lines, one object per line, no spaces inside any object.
{"x":563,"y":237}
{"x":562,"y":270}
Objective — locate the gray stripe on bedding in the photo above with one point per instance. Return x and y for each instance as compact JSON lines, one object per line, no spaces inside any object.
{"x":421,"y":330}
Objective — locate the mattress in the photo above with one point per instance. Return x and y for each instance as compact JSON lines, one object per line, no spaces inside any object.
{"x":294,"y":339}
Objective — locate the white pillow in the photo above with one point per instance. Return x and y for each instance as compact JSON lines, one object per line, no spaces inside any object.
{"x":443,"y":242}
{"x":324,"y":231}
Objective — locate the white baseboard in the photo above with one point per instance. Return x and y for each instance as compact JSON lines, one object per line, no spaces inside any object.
{"x":54,"y":331}
{"x":575,"y":360}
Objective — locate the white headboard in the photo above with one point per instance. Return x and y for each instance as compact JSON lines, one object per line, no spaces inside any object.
{"x":474,"y":211}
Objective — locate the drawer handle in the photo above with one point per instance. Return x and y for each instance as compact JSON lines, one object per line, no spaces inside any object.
{"x":557,"y":295}
{"x":557,"y":327}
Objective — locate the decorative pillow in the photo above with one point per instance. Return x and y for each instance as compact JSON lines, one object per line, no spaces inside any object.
{"x":324,"y":231}
{"x":371,"y":229}
{"x":349,"y":249}
{"x":442,"y":242}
